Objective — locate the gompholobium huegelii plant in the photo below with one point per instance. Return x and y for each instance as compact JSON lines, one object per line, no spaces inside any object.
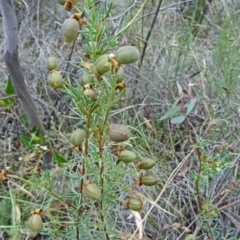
{"x":102,"y":150}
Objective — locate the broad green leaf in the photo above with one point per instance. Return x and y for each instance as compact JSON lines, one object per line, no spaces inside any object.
{"x":41,"y":139}
{"x":37,"y":138}
{"x":178,"y":119}
{"x":180,"y":90}
{"x":59,"y":158}
{"x":190,"y":106}
{"x":6,"y":103}
{"x":35,"y":129}
{"x":9,"y":87}
{"x":171,"y":112}
{"x":26,"y":140}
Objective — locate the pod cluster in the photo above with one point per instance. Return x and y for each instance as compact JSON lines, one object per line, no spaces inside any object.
{"x":120,"y":134}
{"x":55,"y":79}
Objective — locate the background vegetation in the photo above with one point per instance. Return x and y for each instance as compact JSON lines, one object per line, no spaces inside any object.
{"x":191,"y":57}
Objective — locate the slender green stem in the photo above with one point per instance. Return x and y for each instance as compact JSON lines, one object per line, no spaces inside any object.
{"x":101,"y":171}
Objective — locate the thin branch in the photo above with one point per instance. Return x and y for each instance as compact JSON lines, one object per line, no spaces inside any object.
{"x":229,"y":205}
{"x":150,"y":32}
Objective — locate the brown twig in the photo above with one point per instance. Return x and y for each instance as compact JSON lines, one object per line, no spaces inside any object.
{"x":150,"y":32}
{"x":229,"y":205}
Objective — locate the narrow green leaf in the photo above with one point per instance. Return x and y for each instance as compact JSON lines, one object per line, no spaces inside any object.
{"x":190,"y":106}
{"x":178,"y":119}
{"x":81,"y":109}
{"x":108,"y":10}
{"x":59,"y":158}
{"x":9,"y":87}
{"x":180,"y":90}
{"x":171,"y":112}
{"x":26,"y":140}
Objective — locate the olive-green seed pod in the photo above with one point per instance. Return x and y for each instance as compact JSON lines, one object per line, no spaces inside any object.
{"x":35,"y":223}
{"x":87,"y":78}
{"x":70,"y":29}
{"x":90,"y":93}
{"x":52,"y":63}
{"x":127,"y":156}
{"x":146,"y":163}
{"x":135,"y":204}
{"x":62,"y":2}
{"x":102,"y":64}
{"x":55,"y":80}
{"x":119,"y":74}
{"x":149,"y":180}
{"x":118,"y":132}
{"x":77,"y":137}
{"x":190,"y":237}
{"x":92,"y":191}
{"x":127,"y":55}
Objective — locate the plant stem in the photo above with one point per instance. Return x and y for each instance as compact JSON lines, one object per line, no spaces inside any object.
{"x":198,"y":179}
{"x":101,"y":170}
{"x":82,"y":171}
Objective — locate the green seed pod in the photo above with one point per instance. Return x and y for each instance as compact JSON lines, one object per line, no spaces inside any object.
{"x":119,"y":75}
{"x":127,"y":156}
{"x":127,"y":55}
{"x":118,"y":132}
{"x":55,"y":80}
{"x":190,"y":237}
{"x":92,"y":191}
{"x":87,"y":78}
{"x":149,"y":180}
{"x":70,"y":30}
{"x":62,"y":2}
{"x":146,"y":163}
{"x":135,"y":204}
{"x":77,"y":137}
{"x":102,"y":64}
{"x":52,"y":63}
{"x":90,"y":93}
{"x":35,"y":223}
